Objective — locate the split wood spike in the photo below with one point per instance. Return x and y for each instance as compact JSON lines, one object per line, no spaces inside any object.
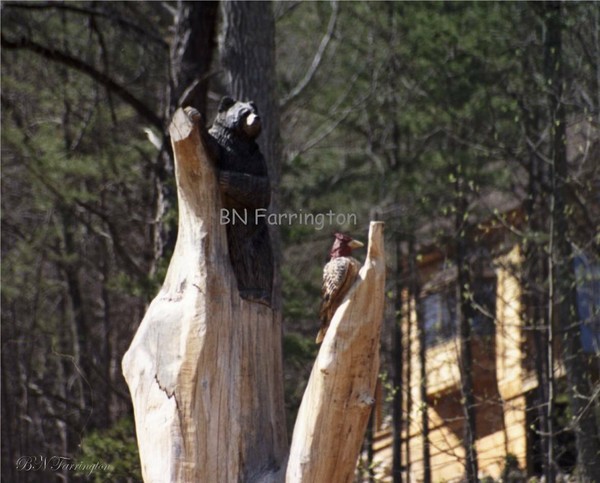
{"x":340,"y":395}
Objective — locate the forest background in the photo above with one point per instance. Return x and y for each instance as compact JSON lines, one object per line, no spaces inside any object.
{"x":411,"y":113}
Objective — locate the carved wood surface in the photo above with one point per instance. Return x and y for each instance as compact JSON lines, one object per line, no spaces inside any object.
{"x":335,"y":409}
{"x":204,"y":368}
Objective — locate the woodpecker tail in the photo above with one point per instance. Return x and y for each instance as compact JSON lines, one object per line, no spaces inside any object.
{"x":321,"y":334}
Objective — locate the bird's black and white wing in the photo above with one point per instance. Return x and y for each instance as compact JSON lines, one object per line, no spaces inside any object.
{"x":338,"y":276}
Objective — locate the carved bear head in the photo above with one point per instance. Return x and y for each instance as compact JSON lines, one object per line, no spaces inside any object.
{"x":240,"y":118}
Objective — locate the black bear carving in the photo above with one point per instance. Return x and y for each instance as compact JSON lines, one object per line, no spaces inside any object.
{"x":244,"y":185}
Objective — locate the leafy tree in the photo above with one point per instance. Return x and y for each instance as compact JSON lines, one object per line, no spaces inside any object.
{"x":117,"y":447}
{"x":427,"y":115}
{"x":83,"y":209}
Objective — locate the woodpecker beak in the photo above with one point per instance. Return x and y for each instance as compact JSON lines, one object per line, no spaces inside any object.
{"x":355,"y":244}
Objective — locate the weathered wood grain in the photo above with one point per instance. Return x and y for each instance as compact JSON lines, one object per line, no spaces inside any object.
{"x":335,"y":409}
{"x":205,"y":367}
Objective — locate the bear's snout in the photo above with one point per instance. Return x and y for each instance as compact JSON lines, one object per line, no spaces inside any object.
{"x":251,"y":119}
{"x":253,"y":125}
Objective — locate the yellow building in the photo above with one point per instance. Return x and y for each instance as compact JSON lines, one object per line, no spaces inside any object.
{"x":503,"y":373}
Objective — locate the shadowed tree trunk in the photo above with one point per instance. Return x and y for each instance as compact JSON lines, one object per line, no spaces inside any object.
{"x":535,"y":275}
{"x":248,"y":56}
{"x":465,"y":318}
{"x":191,"y":55}
{"x":397,"y":368}
{"x":420,"y":322}
{"x":578,"y":373}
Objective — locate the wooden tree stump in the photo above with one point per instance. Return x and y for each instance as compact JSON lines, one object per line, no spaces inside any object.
{"x":205,"y":367}
{"x":335,"y":409}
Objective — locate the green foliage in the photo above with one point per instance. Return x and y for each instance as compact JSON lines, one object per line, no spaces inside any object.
{"x":511,"y":472}
{"x":298,"y":349}
{"x":389,"y":389}
{"x":414,"y":105}
{"x":299,"y":353}
{"x":116,"y":449}
{"x":78,"y":204}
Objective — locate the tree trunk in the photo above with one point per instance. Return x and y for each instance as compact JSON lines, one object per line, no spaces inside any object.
{"x":204,"y":368}
{"x":340,"y":394}
{"x":466,"y":370}
{"x":191,"y":55}
{"x":535,"y":280}
{"x":422,"y":364}
{"x":576,"y":366}
{"x":465,"y":318}
{"x":397,"y":367}
{"x":250,"y":76}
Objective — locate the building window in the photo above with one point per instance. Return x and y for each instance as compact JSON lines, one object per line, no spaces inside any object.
{"x":439,"y":308}
{"x":439,"y":314}
{"x":587,"y":275}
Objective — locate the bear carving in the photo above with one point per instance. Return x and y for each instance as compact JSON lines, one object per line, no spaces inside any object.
{"x":244,"y":186}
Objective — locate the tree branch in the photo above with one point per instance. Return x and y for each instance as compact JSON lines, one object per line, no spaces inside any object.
{"x":112,"y":16}
{"x":78,"y":64}
{"x":296,"y":91}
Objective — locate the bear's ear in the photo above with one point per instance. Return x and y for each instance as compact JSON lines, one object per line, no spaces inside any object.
{"x":226,"y":103}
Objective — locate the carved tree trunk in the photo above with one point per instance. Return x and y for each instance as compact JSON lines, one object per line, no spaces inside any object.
{"x":204,"y":368}
{"x":337,"y":402}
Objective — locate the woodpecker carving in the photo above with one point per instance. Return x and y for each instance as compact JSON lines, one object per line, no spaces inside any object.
{"x":339,"y":275}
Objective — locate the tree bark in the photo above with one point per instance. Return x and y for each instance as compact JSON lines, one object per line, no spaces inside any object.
{"x":422,"y":335}
{"x":576,"y":366}
{"x":465,"y":318}
{"x":398,"y":366}
{"x":191,"y":55}
{"x":250,"y":76}
{"x":335,"y":408}
{"x":204,"y":368}
{"x":535,"y":276}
